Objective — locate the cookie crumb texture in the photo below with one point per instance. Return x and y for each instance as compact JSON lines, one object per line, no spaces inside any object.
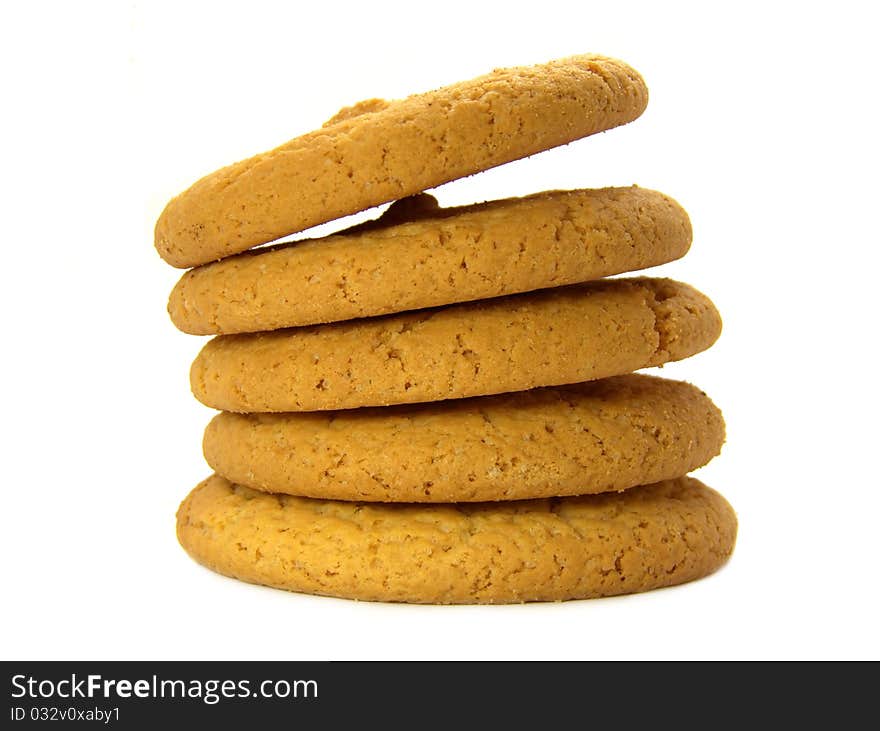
{"x":484,"y":553}
{"x":547,"y":338}
{"x":587,"y":438}
{"x":377,"y":152}
{"x":418,"y":255}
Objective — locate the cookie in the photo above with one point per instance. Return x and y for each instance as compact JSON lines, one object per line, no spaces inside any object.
{"x":569,"y":440}
{"x":477,"y":553}
{"x":551,"y":337}
{"x":419,"y":255}
{"x":379,"y":151}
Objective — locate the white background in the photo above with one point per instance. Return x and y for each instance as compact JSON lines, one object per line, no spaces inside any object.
{"x":762,"y":123}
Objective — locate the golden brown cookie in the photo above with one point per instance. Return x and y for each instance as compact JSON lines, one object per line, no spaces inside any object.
{"x":475,"y":553}
{"x":380,"y":151}
{"x":546,"y":338}
{"x":418,"y":255}
{"x":569,"y":440}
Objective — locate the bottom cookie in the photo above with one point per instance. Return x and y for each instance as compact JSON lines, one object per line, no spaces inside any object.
{"x":554,"y":549}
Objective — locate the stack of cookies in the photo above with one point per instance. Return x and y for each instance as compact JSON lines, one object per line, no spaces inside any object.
{"x":439,"y":405}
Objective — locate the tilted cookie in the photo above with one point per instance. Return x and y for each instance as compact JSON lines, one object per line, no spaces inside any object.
{"x":546,"y":338}
{"x":592,"y":437}
{"x":418,"y":255}
{"x":471,"y":553}
{"x":379,"y":151}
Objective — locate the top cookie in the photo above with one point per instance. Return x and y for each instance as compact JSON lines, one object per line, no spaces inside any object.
{"x":418,"y":255}
{"x":380,"y":151}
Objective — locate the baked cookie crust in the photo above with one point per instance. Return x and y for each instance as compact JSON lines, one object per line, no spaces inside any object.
{"x":546,"y":338}
{"x":601,"y":436}
{"x":377,"y":151}
{"x":485,"y":553}
{"x":418,"y":255}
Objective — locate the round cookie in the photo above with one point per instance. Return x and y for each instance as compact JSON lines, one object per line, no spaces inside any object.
{"x":380,"y":151}
{"x":476,"y":553}
{"x":418,"y":255}
{"x":592,"y":437}
{"x":546,"y":338}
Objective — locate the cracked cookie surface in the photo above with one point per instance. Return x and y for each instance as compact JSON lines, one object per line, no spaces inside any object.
{"x":587,"y":438}
{"x":418,"y":255}
{"x":376,"y":152}
{"x":645,"y":538}
{"x":514,"y":343}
